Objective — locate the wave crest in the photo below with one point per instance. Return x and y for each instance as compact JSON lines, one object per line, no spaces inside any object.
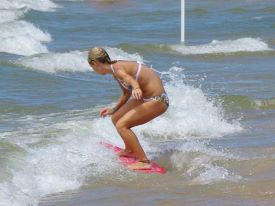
{"x":227,"y":46}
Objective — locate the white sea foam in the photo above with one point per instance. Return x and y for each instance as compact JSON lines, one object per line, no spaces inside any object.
{"x":197,"y":161}
{"x":74,"y":61}
{"x":20,"y":37}
{"x":227,"y":46}
{"x":23,"y":38}
{"x":191,"y":114}
{"x":39,"y":5}
{"x":10,"y":15}
{"x":64,"y":164}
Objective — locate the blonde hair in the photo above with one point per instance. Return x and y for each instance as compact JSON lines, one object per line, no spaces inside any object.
{"x":99,"y":54}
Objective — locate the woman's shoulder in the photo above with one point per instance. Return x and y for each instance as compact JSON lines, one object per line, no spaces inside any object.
{"x":125,"y":64}
{"x":126,"y":61}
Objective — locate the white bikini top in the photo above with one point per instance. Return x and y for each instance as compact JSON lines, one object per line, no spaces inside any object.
{"x":123,"y":83}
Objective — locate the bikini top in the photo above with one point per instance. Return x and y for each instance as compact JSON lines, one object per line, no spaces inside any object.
{"x":125,"y":84}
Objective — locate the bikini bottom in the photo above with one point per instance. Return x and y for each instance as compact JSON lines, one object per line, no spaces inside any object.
{"x":163,"y":98}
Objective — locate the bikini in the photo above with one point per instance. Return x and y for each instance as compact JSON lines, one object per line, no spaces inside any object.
{"x":163,"y":97}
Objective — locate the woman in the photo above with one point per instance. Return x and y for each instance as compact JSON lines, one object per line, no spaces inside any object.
{"x":148,"y":99}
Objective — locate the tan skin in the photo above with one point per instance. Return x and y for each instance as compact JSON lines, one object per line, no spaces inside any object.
{"x":134,"y":112}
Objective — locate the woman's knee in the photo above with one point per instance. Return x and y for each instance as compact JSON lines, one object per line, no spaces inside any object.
{"x":114,"y":119}
{"x":121,"y":126}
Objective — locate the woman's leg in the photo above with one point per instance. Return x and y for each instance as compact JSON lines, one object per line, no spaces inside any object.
{"x":138,"y":115}
{"x":132,"y":103}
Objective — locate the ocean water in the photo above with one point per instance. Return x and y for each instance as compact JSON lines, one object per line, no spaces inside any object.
{"x":216,"y":140}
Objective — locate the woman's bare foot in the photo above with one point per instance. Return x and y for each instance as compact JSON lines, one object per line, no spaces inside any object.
{"x":126,"y":153}
{"x":140,"y":165}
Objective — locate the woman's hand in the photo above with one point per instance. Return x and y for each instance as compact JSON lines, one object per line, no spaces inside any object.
{"x":137,"y":93}
{"x":105,"y":111}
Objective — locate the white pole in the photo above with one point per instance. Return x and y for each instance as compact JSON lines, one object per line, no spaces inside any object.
{"x":182,"y":21}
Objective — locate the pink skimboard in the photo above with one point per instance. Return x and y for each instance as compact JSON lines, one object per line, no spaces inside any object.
{"x":125,"y":161}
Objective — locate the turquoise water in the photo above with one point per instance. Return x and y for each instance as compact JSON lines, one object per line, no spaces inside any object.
{"x":216,"y":140}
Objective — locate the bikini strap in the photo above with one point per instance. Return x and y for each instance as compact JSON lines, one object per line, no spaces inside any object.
{"x":112,"y":68}
{"x":139,"y":69}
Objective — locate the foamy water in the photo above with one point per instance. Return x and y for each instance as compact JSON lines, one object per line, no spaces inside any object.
{"x":74,"y":61}
{"x":39,"y":5}
{"x":21,"y":37}
{"x":10,"y":15}
{"x":228,"y":46}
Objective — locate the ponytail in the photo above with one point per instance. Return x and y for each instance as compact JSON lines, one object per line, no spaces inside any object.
{"x":99,"y":54}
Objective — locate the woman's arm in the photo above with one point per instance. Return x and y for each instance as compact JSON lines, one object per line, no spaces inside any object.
{"x":122,"y":99}
{"x":121,"y":74}
{"x":136,"y":91}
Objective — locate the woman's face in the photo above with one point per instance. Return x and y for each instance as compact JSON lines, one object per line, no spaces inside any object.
{"x":98,"y":67}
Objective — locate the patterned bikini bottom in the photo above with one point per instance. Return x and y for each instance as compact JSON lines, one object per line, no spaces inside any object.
{"x":163,"y":98}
